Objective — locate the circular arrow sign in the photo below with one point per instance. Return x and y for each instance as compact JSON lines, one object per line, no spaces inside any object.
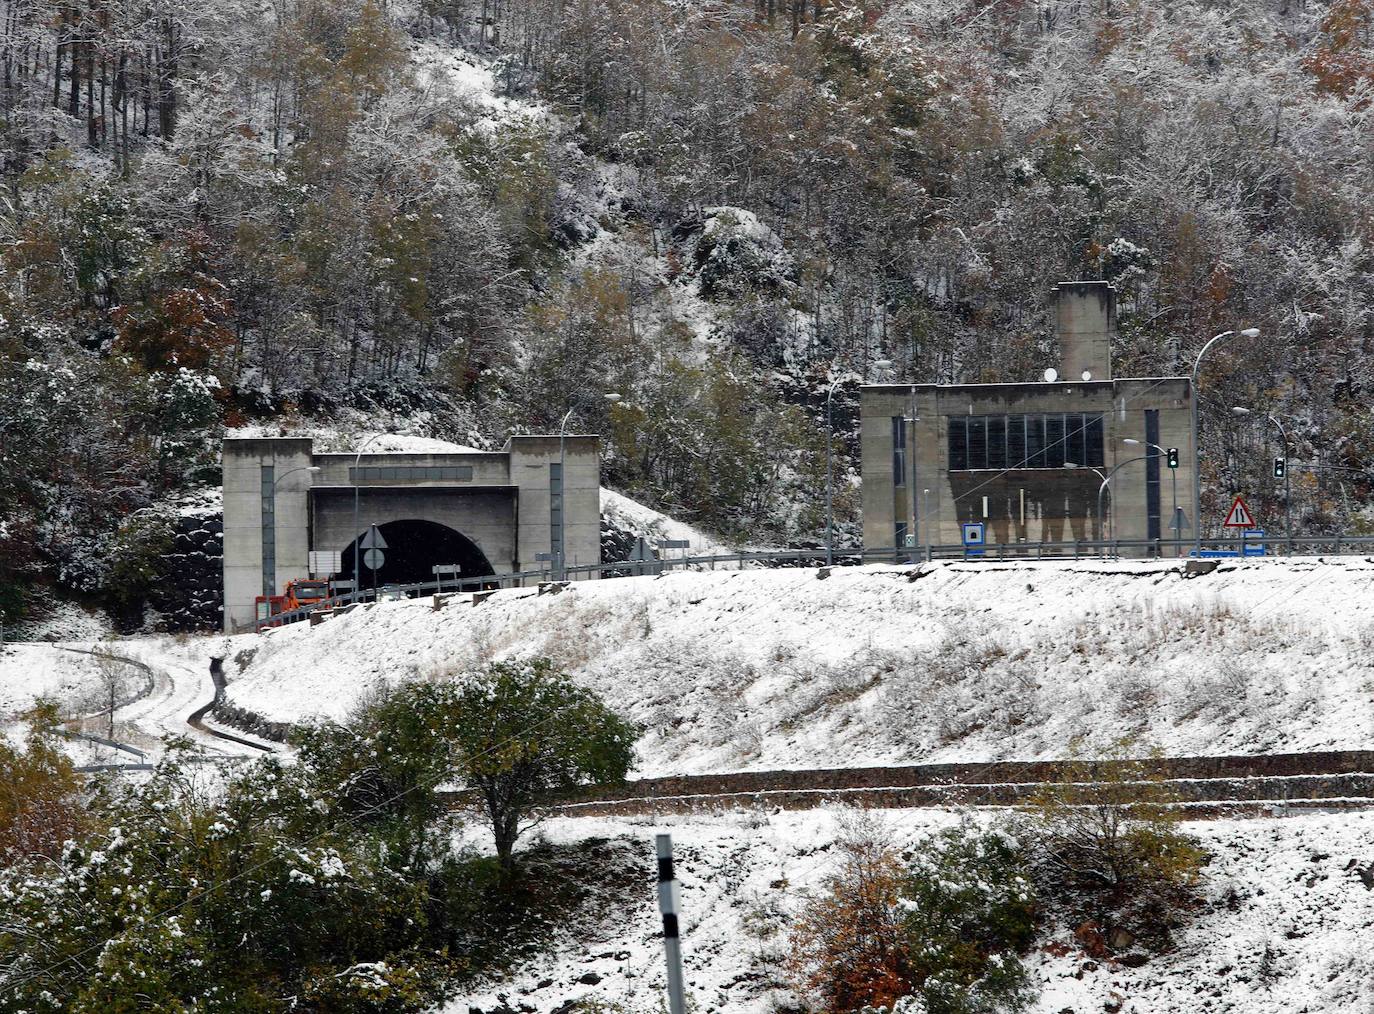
{"x":373,"y":559}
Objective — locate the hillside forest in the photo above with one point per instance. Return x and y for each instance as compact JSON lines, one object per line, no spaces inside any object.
{"x":463,"y":218}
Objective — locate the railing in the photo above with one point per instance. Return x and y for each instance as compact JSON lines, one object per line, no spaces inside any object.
{"x":1234,"y":547}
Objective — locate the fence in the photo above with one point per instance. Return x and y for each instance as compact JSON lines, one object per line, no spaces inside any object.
{"x":1110,"y":549}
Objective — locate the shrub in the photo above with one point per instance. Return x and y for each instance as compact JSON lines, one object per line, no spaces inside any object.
{"x":1107,"y":848}
{"x":941,"y":936}
{"x":40,"y":800}
{"x":848,"y":945}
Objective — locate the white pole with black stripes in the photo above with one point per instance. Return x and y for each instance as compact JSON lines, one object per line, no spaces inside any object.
{"x":668,"y":905}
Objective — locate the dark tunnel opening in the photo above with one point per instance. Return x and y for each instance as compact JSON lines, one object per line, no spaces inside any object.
{"x":414,"y":548}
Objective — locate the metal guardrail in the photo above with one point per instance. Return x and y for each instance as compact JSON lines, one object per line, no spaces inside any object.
{"x":1110,"y":549}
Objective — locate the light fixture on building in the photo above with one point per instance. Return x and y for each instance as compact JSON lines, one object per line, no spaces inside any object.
{"x":1051,"y":375}
{"x":1087,"y":375}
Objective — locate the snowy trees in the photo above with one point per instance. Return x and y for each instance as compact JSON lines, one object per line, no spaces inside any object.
{"x":331,"y":883}
{"x":320,"y":204}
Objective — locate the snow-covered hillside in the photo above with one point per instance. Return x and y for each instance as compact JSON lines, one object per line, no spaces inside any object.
{"x":887,"y":665}
{"x":1283,"y":928}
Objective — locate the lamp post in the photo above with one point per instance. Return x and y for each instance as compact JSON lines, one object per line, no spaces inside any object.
{"x":1173,"y":479}
{"x":925,"y":520}
{"x":269,"y":581}
{"x":878,"y":364}
{"x":1106,"y":480}
{"x":1249,"y":332}
{"x":357,"y":536}
{"x":1287,"y":484}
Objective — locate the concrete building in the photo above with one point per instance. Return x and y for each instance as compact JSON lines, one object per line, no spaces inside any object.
{"x":938,"y":456}
{"x":488,"y":512}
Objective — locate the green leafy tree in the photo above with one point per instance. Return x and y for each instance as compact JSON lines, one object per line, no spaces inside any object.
{"x":522,"y":733}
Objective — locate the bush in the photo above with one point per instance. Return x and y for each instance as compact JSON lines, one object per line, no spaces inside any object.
{"x":1108,"y":850}
{"x":522,"y":733}
{"x":941,"y":936}
{"x":40,"y":800}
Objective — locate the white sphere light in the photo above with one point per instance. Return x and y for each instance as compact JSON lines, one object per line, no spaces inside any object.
{"x":1087,"y":375}
{"x":1051,"y":375}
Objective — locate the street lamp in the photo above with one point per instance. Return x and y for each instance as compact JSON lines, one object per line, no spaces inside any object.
{"x":269,"y":579}
{"x":1173,"y":478}
{"x":1249,"y":332}
{"x":562,"y":496}
{"x":1287,"y":485}
{"x":878,"y":364}
{"x":357,"y":536}
{"x":1106,"y":480}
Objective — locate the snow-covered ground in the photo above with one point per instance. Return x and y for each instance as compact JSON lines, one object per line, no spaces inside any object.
{"x":892,"y":665}
{"x":635,"y":517}
{"x":31,"y":671}
{"x":1285,"y":927}
{"x":159,"y":700}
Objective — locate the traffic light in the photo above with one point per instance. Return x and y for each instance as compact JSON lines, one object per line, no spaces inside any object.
{"x":1280,"y":466}
{"x":1173,"y":457}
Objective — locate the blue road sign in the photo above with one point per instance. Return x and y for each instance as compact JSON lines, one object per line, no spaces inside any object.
{"x":1252,"y":542}
{"x":975,"y":537}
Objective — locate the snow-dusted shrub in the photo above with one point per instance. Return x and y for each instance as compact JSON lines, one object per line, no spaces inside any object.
{"x":941,"y":935}
{"x":182,"y":898}
{"x":956,"y":688}
{"x":333,"y":879}
{"x":40,"y":801}
{"x":1106,"y":849}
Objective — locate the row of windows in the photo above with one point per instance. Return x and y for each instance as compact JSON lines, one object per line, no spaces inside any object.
{"x":1025,"y":441}
{"x":430,"y":473}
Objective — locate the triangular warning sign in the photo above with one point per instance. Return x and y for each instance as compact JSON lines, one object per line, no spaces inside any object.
{"x":1239,"y":516}
{"x":373,"y":539}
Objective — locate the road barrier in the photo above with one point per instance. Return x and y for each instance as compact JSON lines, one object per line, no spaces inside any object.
{"x":1112,"y":549}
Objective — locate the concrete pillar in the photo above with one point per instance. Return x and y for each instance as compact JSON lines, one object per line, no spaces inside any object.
{"x":245,"y":489}
{"x":1085,"y":321}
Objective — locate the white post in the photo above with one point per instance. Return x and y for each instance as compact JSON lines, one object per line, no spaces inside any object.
{"x":668,"y":905}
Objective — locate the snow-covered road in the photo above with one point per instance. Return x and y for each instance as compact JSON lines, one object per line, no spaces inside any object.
{"x":181,"y":684}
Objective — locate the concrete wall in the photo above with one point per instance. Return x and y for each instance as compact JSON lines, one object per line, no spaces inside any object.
{"x":1022,"y":504}
{"x":530,"y":458}
{"x":504,"y":509}
{"x":1085,"y":321}
{"x":243,"y":490}
{"x":485,"y":515}
{"x":489,"y":468}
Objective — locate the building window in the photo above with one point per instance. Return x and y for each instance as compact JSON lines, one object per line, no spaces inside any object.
{"x":899,"y":535}
{"x":1152,"y":498}
{"x":1045,"y":440}
{"x":898,"y":451}
{"x":997,"y":441}
{"x":411,"y":473}
{"x":958,"y":443}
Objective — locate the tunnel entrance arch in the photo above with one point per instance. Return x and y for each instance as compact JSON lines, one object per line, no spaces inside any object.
{"x":414,"y":548}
